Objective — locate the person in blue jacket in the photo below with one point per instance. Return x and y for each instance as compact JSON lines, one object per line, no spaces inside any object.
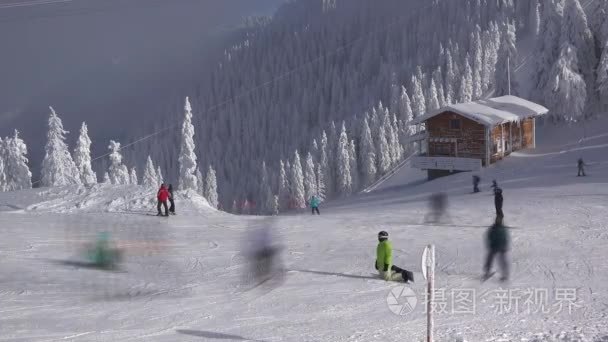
{"x":314,"y":204}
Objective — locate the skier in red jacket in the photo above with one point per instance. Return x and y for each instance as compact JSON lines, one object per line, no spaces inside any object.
{"x":162,"y":196}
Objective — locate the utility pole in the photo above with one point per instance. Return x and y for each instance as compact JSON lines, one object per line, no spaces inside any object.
{"x":509,"y":73}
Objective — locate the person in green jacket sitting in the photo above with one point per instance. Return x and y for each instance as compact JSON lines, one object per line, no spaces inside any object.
{"x":314,"y":204}
{"x":497,"y":241}
{"x":384,"y":261}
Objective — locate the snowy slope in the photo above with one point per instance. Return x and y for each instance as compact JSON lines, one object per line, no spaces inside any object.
{"x":96,"y":198}
{"x":183,"y":273}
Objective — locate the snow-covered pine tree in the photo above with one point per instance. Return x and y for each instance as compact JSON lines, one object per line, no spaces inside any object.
{"x":602,"y":78}
{"x":332,"y":145}
{"x":566,"y":92}
{"x":3,"y":183}
{"x":433,"y":101}
{"x":310,"y":178}
{"x":150,"y":179}
{"x":58,"y":168}
{"x":395,"y":94}
{"x":477,"y":63}
{"x":575,"y":31}
{"x":133,"y":180}
{"x":506,"y":54}
{"x":200,"y":181}
{"x":106,"y":178}
{"x":354,"y":169}
{"x":160,"y":177}
{"x":491,"y":43}
{"x":598,"y":21}
{"x":235,"y":208}
{"x":18,"y":175}
{"x":118,"y":172}
{"x":383,"y":151}
{"x":405,"y":106}
{"x":211,"y":188}
{"x":320,"y":183}
{"x":187,"y":157}
{"x":283,"y":187}
{"x":418,"y":100}
{"x":275,"y":205}
{"x":392,"y":139}
{"x":465,"y":93}
{"x":548,"y":45}
{"x":397,"y":147}
{"x":450,"y":79}
{"x":265,"y":195}
{"x":535,"y":17}
{"x":343,"y":164}
{"x":438,"y":78}
{"x":325,"y":165}
{"x":368,"y":154}
{"x":296,"y":183}
{"x":315,"y":150}
{"x":82,"y":157}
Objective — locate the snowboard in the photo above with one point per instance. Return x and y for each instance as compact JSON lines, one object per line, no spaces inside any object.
{"x":398,"y":277}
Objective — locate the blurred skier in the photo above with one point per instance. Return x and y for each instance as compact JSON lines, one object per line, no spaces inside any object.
{"x":314,"y":204}
{"x":384,"y":261}
{"x":265,"y":265}
{"x":476,"y":181}
{"x":172,"y":203}
{"x":498,"y":200}
{"x":497,"y":242}
{"x":102,"y":254}
{"x":581,"y":167}
{"x":438,"y":204}
{"x":162,"y":196}
{"x":494,"y":184}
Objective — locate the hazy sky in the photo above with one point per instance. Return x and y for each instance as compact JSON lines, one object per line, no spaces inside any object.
{"x":100,"y":60}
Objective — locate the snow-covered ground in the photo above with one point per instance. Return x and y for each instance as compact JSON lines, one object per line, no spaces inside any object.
{"x":183,"y":273}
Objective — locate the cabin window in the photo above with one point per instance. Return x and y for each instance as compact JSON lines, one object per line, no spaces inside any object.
{"x":442,"y":149}
{"x":454,"y":123}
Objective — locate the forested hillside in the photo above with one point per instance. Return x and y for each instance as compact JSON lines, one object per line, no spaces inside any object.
{"x":317,"y":98}
{"x":316,"y":64}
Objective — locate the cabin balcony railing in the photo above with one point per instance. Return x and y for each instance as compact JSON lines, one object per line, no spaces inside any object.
{"x":426,"y":162}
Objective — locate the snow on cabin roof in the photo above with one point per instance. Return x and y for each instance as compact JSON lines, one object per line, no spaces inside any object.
{"x":492,"y":112}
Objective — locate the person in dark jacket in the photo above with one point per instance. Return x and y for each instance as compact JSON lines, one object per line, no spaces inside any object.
{"x":438,"y":203}
{"x":162,"y":196}
{"x":581,"y":167}
{"x":498,"y":200}
{"x":497,"y":241}
{"x":172,"y":203}
{"x":494,"y":185}
{"x":476,"y":181}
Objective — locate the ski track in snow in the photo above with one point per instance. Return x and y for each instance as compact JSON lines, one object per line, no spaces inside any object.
{"x":183,"y":273}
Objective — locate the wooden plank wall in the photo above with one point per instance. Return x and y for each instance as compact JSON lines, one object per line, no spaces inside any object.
{"x":470,"y":138}
{"x":528,"y":128}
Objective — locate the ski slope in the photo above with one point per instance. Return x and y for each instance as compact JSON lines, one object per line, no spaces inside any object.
{"x":182,"y":275}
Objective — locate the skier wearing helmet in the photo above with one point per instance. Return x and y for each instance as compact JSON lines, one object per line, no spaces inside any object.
{"x":384,"y":261}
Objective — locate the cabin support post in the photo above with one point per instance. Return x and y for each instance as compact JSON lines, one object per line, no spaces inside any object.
{"x":488,"y":142}
{"x":533,"y":132}
{"x":502,"y":140}
{"x":521,"y":134}
{"x":510,"y":137}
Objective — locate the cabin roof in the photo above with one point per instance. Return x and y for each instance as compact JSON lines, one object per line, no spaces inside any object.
{"x":491,"y":112}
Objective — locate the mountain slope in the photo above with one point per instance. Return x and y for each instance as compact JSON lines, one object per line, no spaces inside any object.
{"x":190,"y":287}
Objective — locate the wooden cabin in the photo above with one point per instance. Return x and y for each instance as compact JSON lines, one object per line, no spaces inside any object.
{"x":469,"y":136}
